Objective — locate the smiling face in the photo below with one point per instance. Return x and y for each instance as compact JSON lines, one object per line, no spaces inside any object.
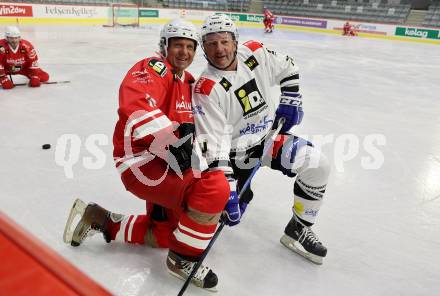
{"x":180,"y":53}
{"x":220,"y":49}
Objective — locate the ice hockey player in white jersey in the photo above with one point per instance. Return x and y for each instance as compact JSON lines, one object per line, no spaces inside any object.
{"x":235,"y":109}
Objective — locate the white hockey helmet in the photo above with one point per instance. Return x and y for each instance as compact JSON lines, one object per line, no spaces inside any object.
{"x":177,"y":28}
{"x":219,"y":23}
{"x":12,"y":31}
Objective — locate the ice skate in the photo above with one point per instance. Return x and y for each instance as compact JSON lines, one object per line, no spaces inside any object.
{"x":179,"y":267}
{"x":92,"y":219}
{"x":302,"y":240}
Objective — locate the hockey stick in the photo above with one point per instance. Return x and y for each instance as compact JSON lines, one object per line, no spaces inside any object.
{"x":47,"y":82}
{"x":267,"y":146}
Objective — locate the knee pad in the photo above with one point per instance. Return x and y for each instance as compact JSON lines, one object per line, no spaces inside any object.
{"x":313,"y":168}
{"x":286,"y":156}
{"x":209,"y":194}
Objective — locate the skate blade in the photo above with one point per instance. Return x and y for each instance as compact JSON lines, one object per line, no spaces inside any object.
{"x":295,"y":246}
{"x":78,"y":209}
{"x":192,"y":282}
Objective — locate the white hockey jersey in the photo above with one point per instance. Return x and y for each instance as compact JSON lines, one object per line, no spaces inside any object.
{"x":234,"y":110}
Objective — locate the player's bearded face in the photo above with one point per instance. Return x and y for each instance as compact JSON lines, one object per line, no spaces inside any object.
{"x":13,"y":41}
{"x":181,"y":53}
{"x":220,"y":49}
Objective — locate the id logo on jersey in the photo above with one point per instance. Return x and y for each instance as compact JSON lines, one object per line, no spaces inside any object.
{"x":250,"y":97}
{"x":251,"y":62}
{"x":159,"y":67}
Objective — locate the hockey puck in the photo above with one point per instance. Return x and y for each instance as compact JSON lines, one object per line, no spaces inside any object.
{"x":45,"y":146}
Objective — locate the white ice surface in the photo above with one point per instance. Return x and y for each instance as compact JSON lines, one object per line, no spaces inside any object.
{"x":381,"y":226}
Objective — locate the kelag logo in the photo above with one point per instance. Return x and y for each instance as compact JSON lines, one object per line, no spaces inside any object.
{"x":15,"y":10}
{"x":417,"y":33}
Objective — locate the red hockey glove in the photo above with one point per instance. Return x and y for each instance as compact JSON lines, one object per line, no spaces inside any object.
{"x":34,"y":81}
{"x":6,"y":83}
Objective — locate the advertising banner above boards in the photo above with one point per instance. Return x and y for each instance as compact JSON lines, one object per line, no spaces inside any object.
{"x":148,"y":13}
{"x":12,"y":10}
{"x":418,"y":33}
{"x":46,"y":13}
{"x":69,"y":12}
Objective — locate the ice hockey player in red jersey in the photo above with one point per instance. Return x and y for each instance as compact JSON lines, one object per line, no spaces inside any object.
{"x":158,"y":163}
{"x":348,"y":30}
{"x":18,"y":57}
{"x":268,"y":20}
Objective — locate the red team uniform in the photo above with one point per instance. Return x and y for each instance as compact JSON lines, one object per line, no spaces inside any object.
{"x":348,"y":30}
{"x":151,"y":98}
{"x":21,"y":61}
{"x":268,"y":20}
{"x":160,"y":162}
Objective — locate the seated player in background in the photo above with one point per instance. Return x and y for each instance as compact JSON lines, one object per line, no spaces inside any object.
{"x":18,"y":57}
{"x":348,"y":30}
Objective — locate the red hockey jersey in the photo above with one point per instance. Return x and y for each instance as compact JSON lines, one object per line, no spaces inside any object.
{"x":268,"y":15}
{"x":14,"y":61}
{"x":153,"y":101}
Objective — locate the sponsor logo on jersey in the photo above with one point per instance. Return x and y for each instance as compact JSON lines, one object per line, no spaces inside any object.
{"x":251,"y":62}
{"x":225,"y":83}
{"x":250,"y":97}
{"x":252,"y":128}
{"x":183,"y":106}
{"x":198,"y":110}
{"x":204,"y":86}
{"x":159,"y":67}
{"x":253,"y":45}
{"x":16,"y":62}
{"x":142,"y":76}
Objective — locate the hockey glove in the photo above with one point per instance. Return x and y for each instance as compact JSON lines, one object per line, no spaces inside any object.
{"x":34,"y":81}
{"x":290,"y":108}
{"x":6,"y":83}
{"x":182,"y":149}
{"x":234,"y":210}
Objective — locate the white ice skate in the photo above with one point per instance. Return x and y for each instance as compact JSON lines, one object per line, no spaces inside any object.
{"x":77,"y":211}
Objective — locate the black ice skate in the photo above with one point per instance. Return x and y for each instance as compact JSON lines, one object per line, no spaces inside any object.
{"x":179,"y":267}
{"x":92,"y":219}
{"x":301,"y":239}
